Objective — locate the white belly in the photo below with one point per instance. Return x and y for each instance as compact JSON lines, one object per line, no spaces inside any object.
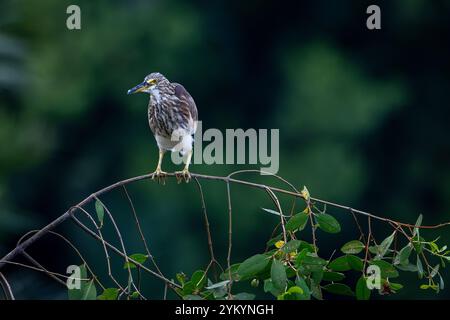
{"x":179,"y":143}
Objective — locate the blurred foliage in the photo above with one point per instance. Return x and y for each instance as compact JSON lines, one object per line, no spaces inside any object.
{"x":361,"y":113}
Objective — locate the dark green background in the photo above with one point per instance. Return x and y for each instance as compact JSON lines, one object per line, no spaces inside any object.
{"x":363,"y":118}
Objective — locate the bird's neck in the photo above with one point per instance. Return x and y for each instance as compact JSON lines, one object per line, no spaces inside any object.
{"x":155,"y":95}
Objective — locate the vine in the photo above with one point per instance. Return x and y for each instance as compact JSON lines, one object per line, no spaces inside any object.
{"x":290,"y":268}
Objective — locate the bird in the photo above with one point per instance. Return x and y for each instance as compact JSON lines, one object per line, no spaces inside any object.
{"x":172,"y":117}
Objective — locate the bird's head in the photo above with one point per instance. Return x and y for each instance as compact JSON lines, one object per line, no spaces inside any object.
{"x":154,"y":81}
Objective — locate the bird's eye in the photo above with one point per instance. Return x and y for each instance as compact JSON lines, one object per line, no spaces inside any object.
{"x":151,"y":81}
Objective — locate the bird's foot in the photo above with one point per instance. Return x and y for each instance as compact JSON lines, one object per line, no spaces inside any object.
{"x":183,"y":175}
{"x":159,"y":176}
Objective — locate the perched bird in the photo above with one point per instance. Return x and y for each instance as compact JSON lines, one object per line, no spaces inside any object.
{"x":172,"y":116}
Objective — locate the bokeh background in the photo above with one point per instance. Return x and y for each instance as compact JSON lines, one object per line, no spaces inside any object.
{"x":363,"y":118}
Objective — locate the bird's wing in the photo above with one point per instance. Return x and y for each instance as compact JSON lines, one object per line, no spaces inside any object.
{"x":187,"y":102}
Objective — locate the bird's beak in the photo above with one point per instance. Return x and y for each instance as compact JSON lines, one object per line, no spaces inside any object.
{"x":139,"y":88}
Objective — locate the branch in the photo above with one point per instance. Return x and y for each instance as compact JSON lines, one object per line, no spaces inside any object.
{"x":6,"y":288}
{"x":227,"y":179}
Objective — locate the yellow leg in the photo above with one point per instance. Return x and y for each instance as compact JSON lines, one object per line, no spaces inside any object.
{"x":159,"y":174}
{"x":188,"y":161}
{"x":185,"y":174}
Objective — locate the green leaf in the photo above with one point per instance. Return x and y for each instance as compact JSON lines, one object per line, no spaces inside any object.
{"x":385,"y":245}
{"x":333,"y":276}
{"x":402,"y":257}
{"x":294,"y":293}
{"x":387,"y":270}
{"x":339,"y":264}
{"x":419,"y":267}
{"x":433,"y":246}
{"x":441,"y":283}
{"x":316,"y":290}
{"x":345,"y":263}
{"x":134,"y":295}
{"x":138,"y":257}
{"x":100,"y":212}
{"x":199,"y":279}
{"x":353,"y":247}
{"x":305,"y":245}
{"x":90,"y":292}
{"x":373,"y":249}
{"x":407,"y":267}
{"x":234,"y":275}
{"x":317,"y":276}
{"x":362,"y":291}
{"x":291,"y":246}
{"x":356,"y":263}
{"x":253,"y":266}
{"x":418,"y":243}
{"x":313,"y":263}
{"x":418,"y":224}
{"x":301,"y":283}
{"x":87,"y":290}
{"x":244,"y":296}
{"x":300,"y":256}
{"x":395,"y":286}
{"x":269,"y":287}
{"x":339,"y":288}
{"x":188,"y":288}
{"x":109,"y":294}
{"x":297,"y":221}
{"x":328,"y":223}
{"x":76,"y":294}
{"x":278,"y":275}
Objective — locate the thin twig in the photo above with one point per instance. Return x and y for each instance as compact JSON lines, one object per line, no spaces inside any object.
{"x":358,"y":225}
{"x":270,"y":190}
{"x":278,"y":205}
{"x":95,"y":277}
{"x":138,"y":225}
{"x":120,"y":253}
{"x":208,"y":229}
{"x":37,"y":264}
{"x":122,"y":244}
{"x":8,"y":293}
{"x":105,"y":250}
{"x":369,"y":224}
{"x":227,"y":179}
{"x":230,"y":238}
{"x":205,"y":217}
{"x":43,"y":271}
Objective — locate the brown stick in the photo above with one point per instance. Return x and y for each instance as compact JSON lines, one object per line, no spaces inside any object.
{"x":17,"y":250}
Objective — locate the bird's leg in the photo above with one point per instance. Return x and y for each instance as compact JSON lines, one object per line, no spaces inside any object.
{"x":185,"y":174}
{"x":159,"y":174}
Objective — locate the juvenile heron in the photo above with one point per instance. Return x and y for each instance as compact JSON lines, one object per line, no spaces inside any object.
{"x":172,"y":116}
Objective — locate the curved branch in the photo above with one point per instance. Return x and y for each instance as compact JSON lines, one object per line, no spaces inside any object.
{"x":69,"y":213}
{"x":6,"y":287}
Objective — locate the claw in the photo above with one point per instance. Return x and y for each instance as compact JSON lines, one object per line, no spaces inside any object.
{"x":159,"y":175}
{"x":183,"y":175}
